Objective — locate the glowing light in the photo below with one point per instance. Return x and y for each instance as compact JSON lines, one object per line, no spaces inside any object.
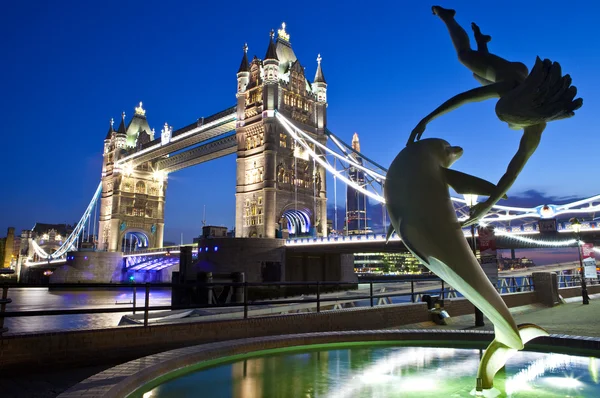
{"x":159,"y":175}
{"x":282,"y":34}
{"x":567,"y":382}
{"x":139,"y":110}
{"x":128,"y":169}
{"x":470,"y":199}
{"x":523,"y":239}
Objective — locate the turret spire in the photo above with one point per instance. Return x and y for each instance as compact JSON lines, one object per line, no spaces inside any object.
{"x":110,"y":129}
{"x":271,"y":52}
{"x":121,"y":129}
{"x":244,"y":67}
{"x":319,"y":77}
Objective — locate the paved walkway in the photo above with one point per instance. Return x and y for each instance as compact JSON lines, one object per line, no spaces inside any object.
{"x":571,"y":318}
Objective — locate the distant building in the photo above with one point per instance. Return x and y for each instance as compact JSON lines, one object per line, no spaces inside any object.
{"x":357,"y":222}
{"x":6,"y":248}
{"x":505,"y":263}
{"x":49,"y":237}
{"x":210,"y":231}
{"x":386,"y":263}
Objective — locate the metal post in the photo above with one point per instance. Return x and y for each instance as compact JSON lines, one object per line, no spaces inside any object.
{"x":5,"y":300}
{"x":335,"y":216}
{"x":146,"y":305}
{"x":245,"y":300}
{"x":134,"y":298}
{"x":318,"y":297}
{"x":412,"y":291}
{"x":584,"y":292}
{"x":371,"y":292}
{"x":478,"y":313}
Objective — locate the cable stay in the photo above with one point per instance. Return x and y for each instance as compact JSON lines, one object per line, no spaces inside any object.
{"x":71,"y":242}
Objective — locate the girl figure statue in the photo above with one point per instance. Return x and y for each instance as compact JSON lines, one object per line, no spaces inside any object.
{"x":527,"y":101}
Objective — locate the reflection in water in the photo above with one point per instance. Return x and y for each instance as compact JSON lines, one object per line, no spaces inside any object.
{"x":36,"y":299}
{"x":386,"y":372}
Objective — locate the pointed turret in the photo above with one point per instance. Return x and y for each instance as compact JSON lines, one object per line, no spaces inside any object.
{"x":111,"y":130}
{"x":320,"y":85}
{"x":121,"y":133}
{"x":271,"y":62}
{"x":271,"y":52}
{"x":243,"y":75}
{"x":244,"y":66}
{"x":121,"y":129}
{"x":319,"y":78}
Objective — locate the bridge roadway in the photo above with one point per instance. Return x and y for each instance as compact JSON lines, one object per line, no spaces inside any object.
{"x":377,"y":244}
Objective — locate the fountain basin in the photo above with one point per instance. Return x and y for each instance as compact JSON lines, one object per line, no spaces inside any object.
{"x":235,"y":364}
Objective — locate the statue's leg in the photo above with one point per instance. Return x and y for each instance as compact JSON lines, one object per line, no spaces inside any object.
{"x":483,"y":81}
{"x":481,"y":39}
{"x":459,"y":36}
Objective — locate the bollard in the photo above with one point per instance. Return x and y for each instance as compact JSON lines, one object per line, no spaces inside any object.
{"x":318,"y":297}
{"x":146,"y":305}
{"x":412,"y":291}
{"x":5,"y":300}
{"x":134,"y":298}
{"x":371,"y":292}
{"x":245,"y":300}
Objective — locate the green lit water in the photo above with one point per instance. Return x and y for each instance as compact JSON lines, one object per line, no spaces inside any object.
{"x":385,"y":372}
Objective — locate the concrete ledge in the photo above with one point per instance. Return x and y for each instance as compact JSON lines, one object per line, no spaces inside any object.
{"x":124,"y":379}
{"x":568,"y":292}
{"x":107,"y":346}
{"x":72,"y":348}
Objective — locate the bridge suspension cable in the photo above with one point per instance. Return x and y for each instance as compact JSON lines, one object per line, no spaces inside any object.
{"x":293,"y":131}
{"x":498,"y":214}
{"x":73,"y":238}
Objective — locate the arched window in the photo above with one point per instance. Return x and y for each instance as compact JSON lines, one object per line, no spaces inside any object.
{"x":140,"y":187}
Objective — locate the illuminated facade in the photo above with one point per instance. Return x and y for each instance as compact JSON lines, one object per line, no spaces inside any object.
{"x":356,"y":202}
{"x":6,"y":248}
{"x":387,"y":263}
{"x":133,"y":197}
{"x":278,"y":187}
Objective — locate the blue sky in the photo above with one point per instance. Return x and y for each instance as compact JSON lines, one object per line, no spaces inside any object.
{"x":69,"y":66}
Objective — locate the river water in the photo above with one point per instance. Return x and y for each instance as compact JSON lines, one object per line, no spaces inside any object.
{"x":34,"y":299}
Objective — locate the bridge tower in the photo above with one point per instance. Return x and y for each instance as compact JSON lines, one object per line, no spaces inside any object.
{"x":278,"y":187}
{"x":133,"y":195}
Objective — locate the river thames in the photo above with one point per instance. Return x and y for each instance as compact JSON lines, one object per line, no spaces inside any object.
{"x":39,"y":299}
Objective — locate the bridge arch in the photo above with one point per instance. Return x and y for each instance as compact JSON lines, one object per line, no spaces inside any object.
{"x":298,"y":221}
{"x":135,"y":239}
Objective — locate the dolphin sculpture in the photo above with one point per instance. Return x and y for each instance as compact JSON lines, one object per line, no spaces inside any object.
{"x":420,"y":209}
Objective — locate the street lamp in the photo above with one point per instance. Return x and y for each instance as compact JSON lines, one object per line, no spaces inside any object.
{"x":576,"y":225}
{"x":472,"y":201}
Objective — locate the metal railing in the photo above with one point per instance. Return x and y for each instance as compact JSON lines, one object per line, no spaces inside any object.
{"x":321,"y":294}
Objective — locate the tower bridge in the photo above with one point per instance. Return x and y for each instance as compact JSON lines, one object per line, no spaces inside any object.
{"x":278,"y":131}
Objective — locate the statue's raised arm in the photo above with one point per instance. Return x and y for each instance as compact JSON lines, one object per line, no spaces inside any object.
{"x":527,"y":101}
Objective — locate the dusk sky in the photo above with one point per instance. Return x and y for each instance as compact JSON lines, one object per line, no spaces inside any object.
{"x":69,"y":66}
